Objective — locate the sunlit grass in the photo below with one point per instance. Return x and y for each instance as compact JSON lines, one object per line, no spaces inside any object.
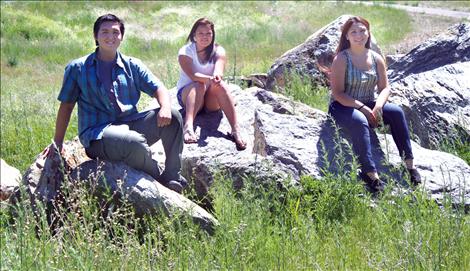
{"x":38,"y":39}
{"x":328,"y":225}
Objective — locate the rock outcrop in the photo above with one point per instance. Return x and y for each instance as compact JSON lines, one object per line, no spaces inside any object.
{"x":436,"y":103}
{"x":289,"y":139}
{"x":10,"y":178}
{"x":452,"y":46}
{"x":46,"y":177}
{"x":147,"y":196}
{"x":432,"y":85}
{"x":302,"y":60}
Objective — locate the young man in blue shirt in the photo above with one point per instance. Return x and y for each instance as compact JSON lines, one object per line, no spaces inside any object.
{"x":106,"y":85}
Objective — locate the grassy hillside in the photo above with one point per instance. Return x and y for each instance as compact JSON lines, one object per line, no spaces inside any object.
{"x":331,"y":224}
{"x":38,"y":39}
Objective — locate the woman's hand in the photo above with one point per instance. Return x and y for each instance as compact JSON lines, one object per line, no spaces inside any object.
{"x":377,"y":112}
{"x":370,"y":116}
{"x":217,"y":78}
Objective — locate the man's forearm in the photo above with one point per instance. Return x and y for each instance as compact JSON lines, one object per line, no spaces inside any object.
{"x":62,"y":122}
{"x":163,"y":97}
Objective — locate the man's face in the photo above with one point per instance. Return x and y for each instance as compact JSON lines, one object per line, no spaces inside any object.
{"x":109,"y":36}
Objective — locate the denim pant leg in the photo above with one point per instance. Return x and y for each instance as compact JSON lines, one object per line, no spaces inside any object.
{"x":393,"y":115}
{"x":119,"y":143}
{"x":356,"y":125}
{"x":171,"y":136}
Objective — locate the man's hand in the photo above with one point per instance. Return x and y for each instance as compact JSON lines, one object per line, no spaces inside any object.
{"x":53,"y":147}
{"x":164,"y":116}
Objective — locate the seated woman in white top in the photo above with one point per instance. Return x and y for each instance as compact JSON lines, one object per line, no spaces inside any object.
{"x":200,"y":84}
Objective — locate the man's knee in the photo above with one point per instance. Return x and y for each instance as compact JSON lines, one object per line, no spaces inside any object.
{"x":135,"y":149}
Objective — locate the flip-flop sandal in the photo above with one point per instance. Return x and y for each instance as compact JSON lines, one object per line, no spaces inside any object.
{"x":193,"y":136}
{"x":238,"y":143}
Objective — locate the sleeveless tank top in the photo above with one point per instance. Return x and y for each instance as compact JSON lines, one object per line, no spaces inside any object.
{"x":359,"y":84}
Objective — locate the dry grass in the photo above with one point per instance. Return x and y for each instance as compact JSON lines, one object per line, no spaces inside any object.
{"x":424,"y":27}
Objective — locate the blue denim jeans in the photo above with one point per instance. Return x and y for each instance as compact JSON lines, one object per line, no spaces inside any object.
{"x":355,"y":124}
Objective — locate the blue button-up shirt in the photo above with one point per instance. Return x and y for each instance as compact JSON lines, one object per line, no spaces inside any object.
{"x":96,"y":110}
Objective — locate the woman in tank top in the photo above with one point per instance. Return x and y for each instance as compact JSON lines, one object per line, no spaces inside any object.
{"x":356,"y":76}
{"x":201,"y":84}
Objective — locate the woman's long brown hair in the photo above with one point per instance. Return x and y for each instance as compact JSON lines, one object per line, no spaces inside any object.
{"x":209,"y":49}
{"x":344,"y":42}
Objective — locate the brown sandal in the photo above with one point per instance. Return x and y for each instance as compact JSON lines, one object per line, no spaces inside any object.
{"x":239,"y":142}
{"x":189,"y":136}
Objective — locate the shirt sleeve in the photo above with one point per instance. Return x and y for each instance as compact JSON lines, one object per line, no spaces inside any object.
{"x":70,"y":90}
{"x":220,"y":50}
{"x":147,"y":81}
{"x":186,"y":51}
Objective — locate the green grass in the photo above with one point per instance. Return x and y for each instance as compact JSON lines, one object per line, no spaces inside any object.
{"x":329,"y":224}
{"x":38,"y":39}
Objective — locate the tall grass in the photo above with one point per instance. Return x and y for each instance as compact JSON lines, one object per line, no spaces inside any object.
{"x":39,"y":38}
{"x":329,"y":224}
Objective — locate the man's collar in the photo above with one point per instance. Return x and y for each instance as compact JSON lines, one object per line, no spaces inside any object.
{"x":119,"y":60}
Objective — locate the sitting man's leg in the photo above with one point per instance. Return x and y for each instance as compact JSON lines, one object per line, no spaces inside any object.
{"x":172,"y":141}
{"x":121,"y":144}
{"x":130,"y":143}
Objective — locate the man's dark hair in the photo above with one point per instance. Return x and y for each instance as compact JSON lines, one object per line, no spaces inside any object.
{"x":107,"y":18}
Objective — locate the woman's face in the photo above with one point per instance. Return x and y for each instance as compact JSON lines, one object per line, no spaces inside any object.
{"x":203,"y":35}
{"x":358,"y":34}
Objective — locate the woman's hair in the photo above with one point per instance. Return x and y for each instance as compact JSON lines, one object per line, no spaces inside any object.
{"x":343,"y":41}
{"x":107,"y":18}
{"x":342,"y":45}
{"x":209,"y":50}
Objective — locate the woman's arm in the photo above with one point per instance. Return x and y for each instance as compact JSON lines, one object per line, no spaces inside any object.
{"x":186,"y":64}
{"x":220,"y":61}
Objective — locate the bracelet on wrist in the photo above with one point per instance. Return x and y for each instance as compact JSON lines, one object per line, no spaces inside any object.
{"x":360,"y":107}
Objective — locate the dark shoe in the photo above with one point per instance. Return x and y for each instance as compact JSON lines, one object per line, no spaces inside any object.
{"x":183,"y":182}
{"x":415,"y":177}
{"x":175,"y":186}
{"x":374,"y":185}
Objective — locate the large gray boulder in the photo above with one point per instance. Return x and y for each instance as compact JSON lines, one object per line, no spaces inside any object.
{"x":215,"y":153}
{"x":432,"y":85}
{"x":46,"y":178}
{"x":288,"y":139}
{"x":302,"y":59}
{"x":452,"y":46}
{"x":147,"y":196}
{"x":10,"y":178}
{"x":436,"y":103}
